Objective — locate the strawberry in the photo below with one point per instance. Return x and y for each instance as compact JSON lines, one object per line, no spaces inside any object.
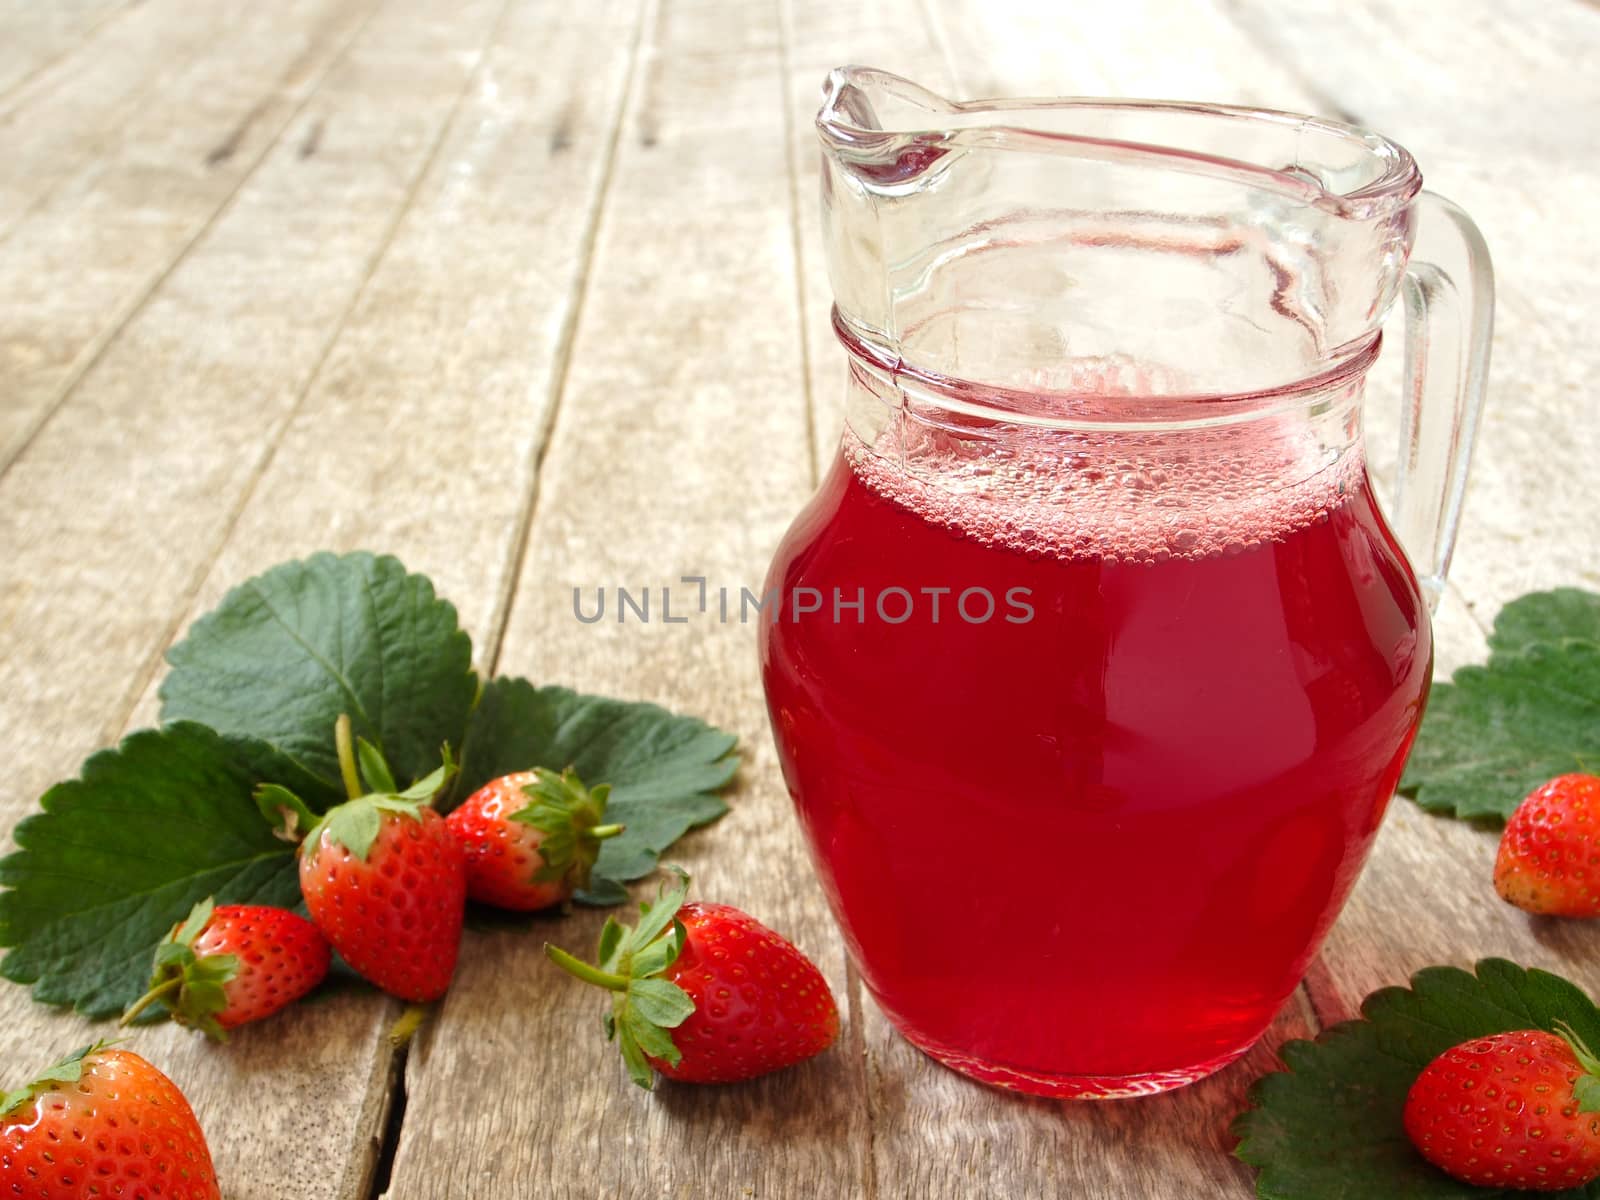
{"x":1514,"y":1110}
{"x":1549,"y":859}
{"x":382,"y":876}
{"x":531,"y":838}
{"x":224,"y":967}
{"x":738,"y":999}
{"x":103,"y":1123}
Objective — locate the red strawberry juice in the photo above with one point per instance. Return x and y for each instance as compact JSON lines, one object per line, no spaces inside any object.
{"x":1088,"y":845}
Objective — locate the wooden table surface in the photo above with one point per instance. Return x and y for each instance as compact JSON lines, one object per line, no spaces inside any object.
{"x":530,"y":294}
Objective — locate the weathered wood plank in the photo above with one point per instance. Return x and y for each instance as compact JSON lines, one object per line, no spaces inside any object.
{"x":1525,"y":167}
{"x":81,"y":263}
{"x":1150,"y":48}
{"x":420,"y":432}
{"x":168,"y":434}
{"x":679,"y":450}
{"x":147,"y":439}
{"x":938,"y":1135}
{"x":1492,"y":114}
{"x":76,"y":110}
{"x":34,"y":37}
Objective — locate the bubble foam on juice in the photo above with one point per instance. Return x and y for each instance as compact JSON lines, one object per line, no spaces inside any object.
{"x":1134,"y":497}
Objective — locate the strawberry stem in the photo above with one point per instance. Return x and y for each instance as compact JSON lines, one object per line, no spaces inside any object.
{"x":347,"y":757}
{"x":582,"y":970}
{"x":159,"y":992}
{"x":406,"y":1026}
{"x":601,"y":832}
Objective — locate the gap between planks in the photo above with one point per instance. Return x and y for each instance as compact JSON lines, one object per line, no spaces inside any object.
{"x":392,"y":1128}
{"x":385,"y":240}
{"x":500,"y":616}
{"x":90,"y":33}
{"x":113,"y":130}
{"x":392,"y":1069}
{"x":95,"y":349}
{"x":143,"y":677}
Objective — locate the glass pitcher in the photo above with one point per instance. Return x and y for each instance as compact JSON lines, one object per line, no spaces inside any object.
{"x":1094,"y":662}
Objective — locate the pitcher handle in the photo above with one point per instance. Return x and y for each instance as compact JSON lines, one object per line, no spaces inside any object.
{"x":1449,"y":306}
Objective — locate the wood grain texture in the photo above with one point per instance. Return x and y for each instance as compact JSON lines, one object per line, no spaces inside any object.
{"x":75,"y":111}
{"x":35,"y":37}
{"x":420,"y":431}
{"x":936,"y":1134}
{"x":531,"y":294}
{"x":1148,"y":48}
{"x":1496,"y":116}
{"x":167,"y":435}
{"x":80,"y":264}
{"x":680,"y":449}
{"x":1523,"y":174}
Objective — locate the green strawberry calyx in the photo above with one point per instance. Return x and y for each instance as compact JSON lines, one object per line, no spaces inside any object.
{"x":571,"y":818}
{"x":191,"y":986}
{"x":68,"y":1070}
{"x":1586,"y":1088}
{"x":631,"y":963}
{"x":372,"y":790}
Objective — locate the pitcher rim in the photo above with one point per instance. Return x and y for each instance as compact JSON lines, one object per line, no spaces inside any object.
{"x":1397,"y":184}
{"x":1052,"y":408}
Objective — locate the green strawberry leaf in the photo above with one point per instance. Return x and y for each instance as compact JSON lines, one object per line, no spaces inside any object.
{"x":633,"y":1057}
{"x":1496,"y":732}
{"x":656,"y":957}
{"x":656,"y":1000}
{"x":287,"y":814}
{"x":651,"y":1037}
{"x":610,"y":941}
{"x":664,"y":770}
{"x":1546,"y":617}
{"x":1329,"y":1128}
{"x":122,"y":854}
{"x":374,"y":769}
{"x":570,"y":818}
{"x":68,"y":1070}
{"x":355,"y":824}
{"x":193,"y":925}
{"x":288,"y":651}
{"x":643,"y":1006}
{"x":1586,"y":1089}
{"x":602,"y":892}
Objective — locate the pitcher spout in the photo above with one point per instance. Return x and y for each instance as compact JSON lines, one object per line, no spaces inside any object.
{"x":883,"y":128}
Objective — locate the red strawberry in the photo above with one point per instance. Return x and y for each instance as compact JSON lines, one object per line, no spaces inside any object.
{"x":382,"y":876}
{"x":1549,"y":860}
{"x":738,"y":999}
{"x":224,"y":967}
{"x":531,"y":838}
{"x":103,"y":1123}
{"x":1515,"y":1110}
